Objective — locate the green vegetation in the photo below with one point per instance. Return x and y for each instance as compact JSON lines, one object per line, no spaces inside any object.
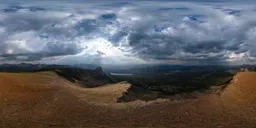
{"x":178,"y":81}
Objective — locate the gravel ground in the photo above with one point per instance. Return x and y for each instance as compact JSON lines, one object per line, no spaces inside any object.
{"x":47,"y":100}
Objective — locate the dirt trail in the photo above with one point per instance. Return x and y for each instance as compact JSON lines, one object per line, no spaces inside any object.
{"x":47,"y":100}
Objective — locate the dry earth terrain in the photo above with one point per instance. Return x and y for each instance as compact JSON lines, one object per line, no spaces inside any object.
{"x":45,"y":99}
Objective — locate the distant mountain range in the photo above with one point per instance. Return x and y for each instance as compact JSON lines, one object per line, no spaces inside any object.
{"x":138,"y":69}
{"x":26,"y":67}
{"x":76,"y":74}
{"x":159,"y":69}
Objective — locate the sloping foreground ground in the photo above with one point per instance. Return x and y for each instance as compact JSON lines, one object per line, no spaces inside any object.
{"x":46,"y":100}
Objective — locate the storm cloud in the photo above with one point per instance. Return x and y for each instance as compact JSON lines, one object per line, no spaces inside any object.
{"x":144,"y":31}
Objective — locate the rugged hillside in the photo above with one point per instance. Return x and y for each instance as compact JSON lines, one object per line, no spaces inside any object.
{"x":44,"y":99}
{"x":241,"y":93}
{"x":84,"y":77}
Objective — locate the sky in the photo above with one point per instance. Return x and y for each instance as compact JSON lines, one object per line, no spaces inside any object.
{"x":187,"y":32}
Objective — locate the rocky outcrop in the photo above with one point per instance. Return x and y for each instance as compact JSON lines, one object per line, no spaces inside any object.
{"x":84,"y":77}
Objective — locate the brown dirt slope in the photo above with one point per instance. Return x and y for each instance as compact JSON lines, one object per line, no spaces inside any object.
{"x":46,"y":100}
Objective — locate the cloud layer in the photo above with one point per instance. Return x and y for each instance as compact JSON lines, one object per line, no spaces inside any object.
{"x":128,"y":32}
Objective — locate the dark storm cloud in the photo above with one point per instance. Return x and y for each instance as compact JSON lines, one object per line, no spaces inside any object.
{"x":205,"y":47}
{"x":153,"y":46}
{"x":87,"y":26}
{"x":118,"y":36}
{"x":51,"y":49}
{"x":59,"y":49}
{"x":160,"y":47}
{"x":201,"y":33}
{"x":174,"y":9}
{"x":15,"y":8}
{"x":232,"y":12}
{"x":109,"y":16}
{"x":19,"y":22}
{"x":24,"y":57}
{"x":152,"y":30}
